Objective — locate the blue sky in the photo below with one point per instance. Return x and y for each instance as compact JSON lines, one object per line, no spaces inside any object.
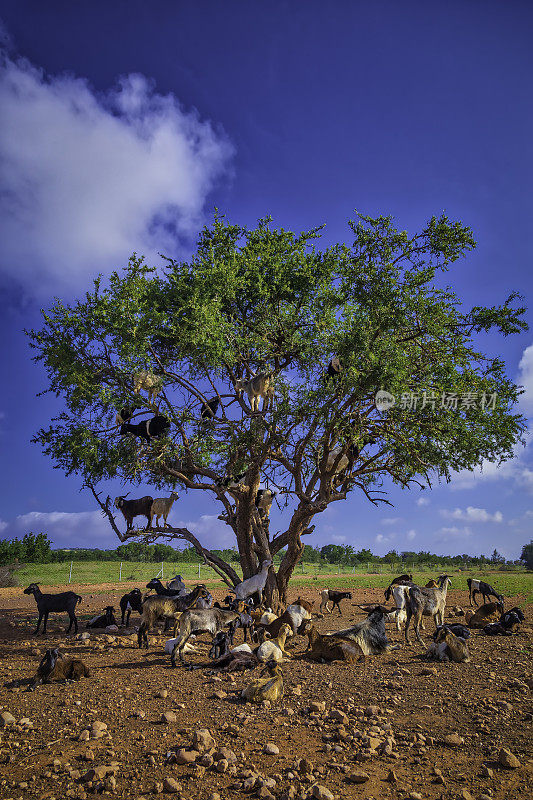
{"x":124,"y":124}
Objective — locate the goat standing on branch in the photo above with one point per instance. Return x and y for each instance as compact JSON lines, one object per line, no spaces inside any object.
{"x":261,"y":313}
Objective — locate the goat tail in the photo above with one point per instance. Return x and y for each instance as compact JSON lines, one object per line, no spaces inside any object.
{"x":78,"y":598}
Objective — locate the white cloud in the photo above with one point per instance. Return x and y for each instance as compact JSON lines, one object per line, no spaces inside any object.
{"x":68,"y":529}
{"x":525,"y":379}
{"x":382,"y":539}
{"x":88,"y":178}
{"x":212,"y":532}
{"x":411,"y":534}
{"x":471,"y":514}
{"x":445,"y":534}
{"x":3,"y":525}
{"x":338,"y":539}
{"x":422,"y":501}
{"x":390,"y":520}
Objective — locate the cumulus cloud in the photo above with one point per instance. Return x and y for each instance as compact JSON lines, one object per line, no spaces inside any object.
{"x":67,"y":529}
{"x":90,"y":529}
{"x":390,"y":520}
{"x":525,"y":379}
{"x":446,"y":534}
{"x":382,"y":539}
{"x":422,"y":501}
{"x":87,"y":177}
{"x":411,"y":534}
{"x":471,"y":514}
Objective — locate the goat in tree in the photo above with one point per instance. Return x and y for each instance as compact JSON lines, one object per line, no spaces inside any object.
{"x":275,"y":309}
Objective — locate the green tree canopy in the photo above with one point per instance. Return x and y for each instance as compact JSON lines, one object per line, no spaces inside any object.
{"x":269,"y":302}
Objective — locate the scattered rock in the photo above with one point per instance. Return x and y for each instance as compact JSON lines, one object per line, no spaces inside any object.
{"x":429,"y":671}
{"x":6,"y":719}
{"x":486,"y":772}
{"x":453,"y":740}
{"x":338,"y":716}
{"x":391,"y":777}
{"x":203,"y":740}
{"x":162,"y":693}
{"x":357,"y":776}
{"x":169,"y":717}
{"x":171,"y":785}
{"x":507,"y":759}
{"x":186,"y":756}
{"x":322,"y":793}
{"x":317,"y":706}
{"x":270,"y":749}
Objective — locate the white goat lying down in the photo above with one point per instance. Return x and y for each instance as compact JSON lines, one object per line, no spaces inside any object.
{"x":187,"y":648}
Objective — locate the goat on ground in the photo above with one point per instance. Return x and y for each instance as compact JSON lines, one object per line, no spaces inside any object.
{"x":274,"y":649}
{"x":260,"y":386}
{"x":194,"y":621}
{"x":177,"y":585}
{"x":482,"y":588}
{"x":456,"y":628}
{"x":54,"y":667}
{"x":236,"y":660}
{"x":158,"y":606}
{"x":426,"y":602}
{"x":507,"y":622}
{"x":134,"y":508}
{"x":132,"y":601}
{"x":329,"y":647}
{"x":335,"y":597}
{"x":161,"y":507}
{"x":148,"y":381}
{"x":253,"y":585}
{"x":262,"y":689}
{"x":448,"y":647}
{"x":54,"y":603}
{"x":148,"y":429}
{"x":295,"y":615}
{"x":489,"y":612}
{"x":103,"y":620}
{"x":403,"y":580}
{"x":370,"y":634}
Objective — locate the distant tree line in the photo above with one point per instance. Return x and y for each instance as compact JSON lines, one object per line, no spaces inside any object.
{"x":37,"y":549}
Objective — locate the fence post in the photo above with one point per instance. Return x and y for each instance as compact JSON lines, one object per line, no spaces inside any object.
{"x":120,"y":572}
{"x":199,"y":570}
{"x":162,"y":576}
{"x":70,"y":573}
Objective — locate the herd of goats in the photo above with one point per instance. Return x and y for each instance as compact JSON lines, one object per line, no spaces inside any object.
{"x":194,"y":612}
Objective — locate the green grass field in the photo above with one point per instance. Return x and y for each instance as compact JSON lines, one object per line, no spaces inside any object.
{"x":513,"y":583}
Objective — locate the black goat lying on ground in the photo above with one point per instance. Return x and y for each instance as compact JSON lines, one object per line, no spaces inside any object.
{"x":456,"y":628}
{"x":133,"y":601}
{"x":105,"y":619}
{"x":333,"y":596}
{"x":507,"y":622}
{"x":54,"y":603}
{"x":54,"y":667}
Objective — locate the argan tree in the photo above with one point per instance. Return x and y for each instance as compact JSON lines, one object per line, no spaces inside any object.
{"x":267,"y":302}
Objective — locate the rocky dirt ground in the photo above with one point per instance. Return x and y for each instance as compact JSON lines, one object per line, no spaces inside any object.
{"x":388,"y":727}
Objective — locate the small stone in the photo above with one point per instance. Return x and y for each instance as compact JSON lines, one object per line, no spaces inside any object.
{"x":466,"y":795}
{"x":357,"y":776}
{"x":84,"y":736}
{"x":372,"y":711}
{"x":338,"y":716}
{"x":317,"y":706}
{"x":6,"y":719}
{"x":322,"y":793}
{"x":214,"y":796}
{"x":227,"y":754}
{"x":507,"y":759}
{"x":270,"y":749}
{"x":203,"y":740}
{"x":171,"y":785}
{"x":415,"y":796}
{"x":391,"y":777}
{"x":98,"y":729}
{"x":186,"y":756}
{"x":162,"y":693}
{"x":453,"y":740}
{"x":169,"y":717}
{"x":222,"y":765}
{"x":429,"y":671}
{"x":486,"y":772}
